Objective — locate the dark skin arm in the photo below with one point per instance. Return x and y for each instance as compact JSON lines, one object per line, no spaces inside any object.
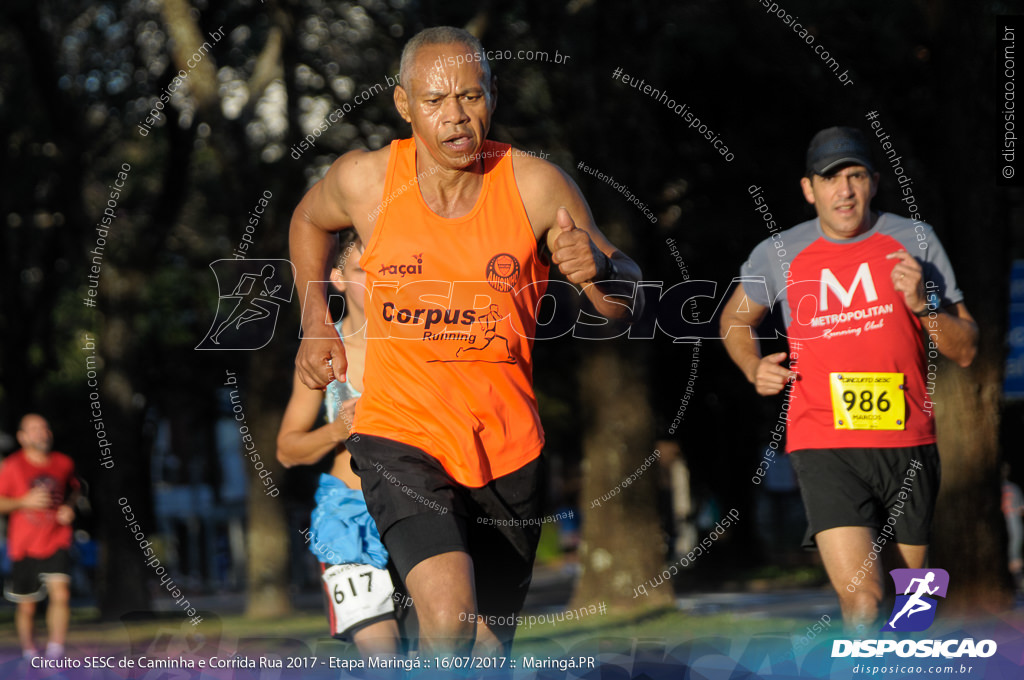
{"x":343,"y":199}
{"x":561,"y":219}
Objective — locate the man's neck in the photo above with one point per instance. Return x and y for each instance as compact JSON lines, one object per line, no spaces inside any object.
{"x":450,"y":192}
{"x":36,"y":456}
{"x":872,"y":219}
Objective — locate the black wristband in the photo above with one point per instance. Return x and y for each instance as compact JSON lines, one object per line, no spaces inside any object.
{"x":609,"y":273}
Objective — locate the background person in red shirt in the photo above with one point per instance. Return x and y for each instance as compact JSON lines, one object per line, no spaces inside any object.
{"x":869,"y":300}
{"x":37,"y":486}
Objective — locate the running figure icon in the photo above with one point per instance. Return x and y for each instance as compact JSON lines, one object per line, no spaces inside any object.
{"x":250,"y":306}
{"x":499,"y":353}
{"x":250,"y":296}
{"x":915,"y":604}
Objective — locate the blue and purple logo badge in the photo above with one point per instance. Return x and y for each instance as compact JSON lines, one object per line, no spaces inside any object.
{"x":915,"y":604}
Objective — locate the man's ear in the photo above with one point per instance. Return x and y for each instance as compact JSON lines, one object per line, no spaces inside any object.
{"x":808,"y":187}
{"x":402,"y":103}
{"x":494,"y":93}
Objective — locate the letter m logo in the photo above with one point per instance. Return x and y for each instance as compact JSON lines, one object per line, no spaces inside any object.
{"x":830,"y":282}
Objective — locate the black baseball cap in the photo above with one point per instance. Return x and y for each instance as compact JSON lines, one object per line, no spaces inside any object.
{"x":835,"y":147}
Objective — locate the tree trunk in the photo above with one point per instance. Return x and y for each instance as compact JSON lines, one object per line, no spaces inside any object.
{"x":622,"y":544}
{"x":968,"y":539}
{"x":267,"y":594}
{"x":123,"y":576}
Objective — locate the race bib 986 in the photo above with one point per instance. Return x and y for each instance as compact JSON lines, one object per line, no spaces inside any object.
{"x":868,"y":401}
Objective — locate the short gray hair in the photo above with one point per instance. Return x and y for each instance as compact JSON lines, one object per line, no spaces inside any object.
{"x":441,"y":35}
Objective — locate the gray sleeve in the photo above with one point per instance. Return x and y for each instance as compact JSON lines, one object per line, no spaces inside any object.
{"x":937,"y":269}
{"x":762,"y":265}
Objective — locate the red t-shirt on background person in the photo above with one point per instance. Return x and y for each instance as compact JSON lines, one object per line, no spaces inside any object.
{"x":36,"y":533}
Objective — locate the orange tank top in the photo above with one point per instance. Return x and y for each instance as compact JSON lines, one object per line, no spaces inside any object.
{"x":450,"y":309}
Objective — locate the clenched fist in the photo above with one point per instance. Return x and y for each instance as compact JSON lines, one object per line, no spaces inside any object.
{"x":577,"y":257}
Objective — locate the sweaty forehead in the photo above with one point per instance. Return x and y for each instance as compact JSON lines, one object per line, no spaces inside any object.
{"x":441,"y":67}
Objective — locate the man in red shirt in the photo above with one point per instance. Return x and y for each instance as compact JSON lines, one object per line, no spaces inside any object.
{"x":869,"y":301}
{"x":37,"y":485}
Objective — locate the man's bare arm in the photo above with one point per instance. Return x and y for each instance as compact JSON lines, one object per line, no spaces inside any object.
{"x":562,"y":220}
{"x":954,"y":332}
{"x":297,"y":443}
{"x":36,"y":498}
{"x":737,"y":327}
{"x":953,"y":329}
{"x":323,"y":211}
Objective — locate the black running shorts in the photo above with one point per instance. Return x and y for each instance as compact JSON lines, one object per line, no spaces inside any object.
{"x":29,"y":576}
{"x":422,"y":512}
{"x":890,"y":490}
